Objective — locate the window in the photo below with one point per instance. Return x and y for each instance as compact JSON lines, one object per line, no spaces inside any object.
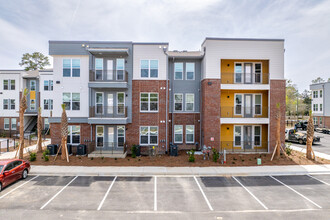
{"x":33,"y":85}
{"x":71,"y":67}
{"x":75,"y":101}
{"x":46,"y":124}
{"x":178,"y":71}
{"x":12,"y":84}
{"x":6,"y":103}
{"x":315,"y":94}
{"x":13,"y":123}
{"x":190,"y":102}
{"x":149,"y":102}
{"x":321,"y":91}
{"x":6,"y":123}
{"x":121,"y":103}
{"x":67,"y":100}
{"x":48,"y":85}
{"x":257,"y":104}
{"x":5,"y":84}
{"x":190,"y":134}
{"x":178,"y":133}
{"x":121,"y":136}
{"x":9,"y":104}
{"x":315,"y":120}
{"x":8,"y":84}
{"x":149,"y":68}
{"x":71,"y":104}
{"x":315,"y":107}
{"x":120,"y":67}
{"x":148,"y":135}
{"x":320,"y":121}
{"x":321,"y":107}
{"x":99,"y":102}
{"x":238,"y":72}
{"x":257,"y":73}
{"x":99,"y":136}
{"x":98,"y":68}
{"x":73,"y":134}
{"x":190,"y":71}
{"x":238,"y":136}
{"x":32,"y":104}
{"x":257,"y":135}
{"x":48,"y":104}
{"x":12,"y":104}
{"x":178,"y":102}
{"x":238,"y":104}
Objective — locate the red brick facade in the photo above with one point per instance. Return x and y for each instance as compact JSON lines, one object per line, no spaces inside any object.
{"x":277,"y":95}
{"x":325,"y":121}
{"x":210,"y":106}
{"x":85,"y":132}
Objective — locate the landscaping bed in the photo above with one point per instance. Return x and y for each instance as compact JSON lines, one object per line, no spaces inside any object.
{"x":296,"y":158}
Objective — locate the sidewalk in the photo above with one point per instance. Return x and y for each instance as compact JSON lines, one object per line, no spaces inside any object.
{"x":303,"y":150}
{"x":185,"y":171}
{"x":11,"y":155}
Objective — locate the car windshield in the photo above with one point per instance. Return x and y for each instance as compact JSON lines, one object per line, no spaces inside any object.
{"x":1,"y":167}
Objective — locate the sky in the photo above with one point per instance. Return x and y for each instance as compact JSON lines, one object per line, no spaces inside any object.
{"x":28,"y":25}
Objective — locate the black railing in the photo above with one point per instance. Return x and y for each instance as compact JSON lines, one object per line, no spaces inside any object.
{"x":245,"y":78}
{"x":100,"y":147}
{"x":119,"y":111}
{"x":244,"y":112}
{"x":108,"y":76}
{"x":244,"y":146}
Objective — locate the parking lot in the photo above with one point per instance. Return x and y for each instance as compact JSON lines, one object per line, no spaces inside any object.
{"x":176,"y":196}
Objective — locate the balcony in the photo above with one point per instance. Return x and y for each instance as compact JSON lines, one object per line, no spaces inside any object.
{"x":107,"y":115}
{"x":244,"y":115}
{"x":108,"y":79}
{"x":245,"y":80}
{"x":244,"y":146}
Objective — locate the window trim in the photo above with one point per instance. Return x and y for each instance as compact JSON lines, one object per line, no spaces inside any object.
{"x":13,"y":123}
{"x":178,"y":142}
{"x":120,"y":69}
{"x":118,"y":134}
{"x":70,"y":133}
{"x":193,"y":141}
{"x":178,"y":102}
{"x":242,"y":137}
{"x":71,"y":67}
{"x":148,"y":135}
{"x":242,"y":104}
{"x":100,"y":136}
{"x":254,"y":135}
{"x":186,"y":72}
{"x":193,"y":109}
{"x":102,"y":103}
{"x":120,"y":103}
{"x":35,"y":81}
{"x":149,"y":69}
{"x":4,"y":124}
{"x":35,"y":105}
{"x":149,"y":93}
{"x":254,"y":103}
{"x":182,"y":71}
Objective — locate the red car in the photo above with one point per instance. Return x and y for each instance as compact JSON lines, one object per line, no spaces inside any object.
{"x":12,"y":170}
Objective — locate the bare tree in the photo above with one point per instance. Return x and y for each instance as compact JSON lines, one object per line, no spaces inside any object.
{"x":22,"y":109}
{"x":39,"y":128}
{"x":310,"y":137}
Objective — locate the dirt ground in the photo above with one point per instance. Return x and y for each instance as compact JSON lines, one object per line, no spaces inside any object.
{"x":296,"y":158}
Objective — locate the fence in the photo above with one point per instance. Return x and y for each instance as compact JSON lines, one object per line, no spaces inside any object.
{"x":244,"y":146}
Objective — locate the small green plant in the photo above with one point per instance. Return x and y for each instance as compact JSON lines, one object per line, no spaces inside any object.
{"x":92,"y":158}
{"x":127,"y":159}
{"x":33,"y":156}
{"x":215,"y":154}
{"x":191,"y":156}
{"x":102,"y":158}
{"x":115,"y":158}
{"x":288,"y":150}
{"x":134,"y":150}
{"x":139,"y":159}
{"x":79,"y":157}
{"x":45,"y":155}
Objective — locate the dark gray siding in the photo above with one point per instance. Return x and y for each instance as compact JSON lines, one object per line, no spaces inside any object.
{"x":37,"y":95}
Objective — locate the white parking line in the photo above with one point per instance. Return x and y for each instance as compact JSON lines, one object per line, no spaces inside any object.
{"x":155,"y":194}
{"x":42,"y":207}
{"x":319,"y":180}
{"x":18,"y":187}
{"x":297,"y":192}
{"x":106,"y":194}
{"x":200,"y":188}
{"x":263,"y":205}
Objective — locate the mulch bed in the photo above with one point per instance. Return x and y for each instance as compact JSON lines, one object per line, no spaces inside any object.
{"x":296,"y":158}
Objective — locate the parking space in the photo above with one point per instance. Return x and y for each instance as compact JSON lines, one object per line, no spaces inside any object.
{"x":142,"y":194}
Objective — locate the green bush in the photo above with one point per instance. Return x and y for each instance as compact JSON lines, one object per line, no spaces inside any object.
{"x":191,"y":156}
{"x":216,"y":155}
{"x":288,"y":150}
{"x":134,"y":150}
{"x":45,"y":155}
{"x":33,"y":156}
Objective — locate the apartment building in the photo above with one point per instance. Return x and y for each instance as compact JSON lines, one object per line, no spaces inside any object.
{"x":321,"y":104}
{"x":119,"y":94}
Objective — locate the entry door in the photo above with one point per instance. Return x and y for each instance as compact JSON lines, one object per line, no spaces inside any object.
{"x":248,"y":72}
{"x":110,"y":103}
{"x":110,"y":70}
{"x":111,"y":137}
{"x":248,"y":106}
{"x":247,"y":137}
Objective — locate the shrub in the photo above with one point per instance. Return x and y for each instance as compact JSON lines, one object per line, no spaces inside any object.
{"x":134,"y":150}
{"x":116,"y":158}
{"x":45,"y":155}
{"x":288,"y":150}
{"x":216,"y":155}
{"x":102,"y":158}
{"x":92,"y":158}
{"x":191,"y":156}
{"x":33,"y":156}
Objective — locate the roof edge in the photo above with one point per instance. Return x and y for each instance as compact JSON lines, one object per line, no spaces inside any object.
{"x":242,"y":39}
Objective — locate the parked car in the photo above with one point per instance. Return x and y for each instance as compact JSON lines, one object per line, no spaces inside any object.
{"x":298,"y":137}
{"x":301,"y":125}
{"x":323,"y":130}
{"x":13,"y":170}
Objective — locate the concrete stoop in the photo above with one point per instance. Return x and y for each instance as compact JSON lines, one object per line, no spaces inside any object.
{"x":107,"y":154}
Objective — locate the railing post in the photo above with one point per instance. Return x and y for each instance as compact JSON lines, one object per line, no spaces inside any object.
{"x":7,"y":145}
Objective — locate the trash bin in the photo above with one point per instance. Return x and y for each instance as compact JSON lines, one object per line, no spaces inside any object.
{"x":69,"y":146}
{"x":81,"y":149}
{"x":138,"y":150}
{"x":174,"y":150}
{"x":52,"y":149}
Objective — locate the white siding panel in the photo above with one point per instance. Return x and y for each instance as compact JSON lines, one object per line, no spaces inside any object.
{"x":10,"y":94}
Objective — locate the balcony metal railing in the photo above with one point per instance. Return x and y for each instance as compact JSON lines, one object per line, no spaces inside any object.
{"x":244,"y":146}
{"x":106,"y":147}
{"x":244,"y":112}
{"x":108,"y":76}
{"x":245,"y":78}
{"x":119,"y":111}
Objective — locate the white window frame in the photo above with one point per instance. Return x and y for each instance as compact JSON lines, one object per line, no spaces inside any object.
{"x":242,"y":137}
{"x":149,"y":102}
{"x":143,"y":144}
{"x":102,"y":74}
{"x":100,"y":136}
{"x":315,"y":120}
{"x":8,"y":104}
{"x":118,"y":134}
{"x":13,"y":121}
{"x":321,"y":107}
{"x":4,"y":124}
{"x":149,"y":68}
{"x":242,"y":104}
{"x":178,"y":142}
{"x":120,"y":69}
{"x":46,"y":120}
{"x":193,"y":95}
{"x":193,"y":141}
{"x":242,"y":73}
{"x":35,"y":85}
{"x":254,"y":103}
{"x":254,"y":72}
{"x":102,"y":103}
{"x":321,"y":93}
{"x":253,"y":135}
{"x":320,"y":120}
{"x":120,"y":103}
{"x":182,"y":70}
{"x":187,"y":71}
{"x":178,"y":102}
{"x":70,"y":134}
{"x":35,"y":105}
{"x":8,"y":84}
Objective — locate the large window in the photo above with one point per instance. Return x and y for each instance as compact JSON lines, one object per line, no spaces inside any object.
{"x":178,"y":133}
{"x":315,"y":107}
{"x":315,"y":94}
{"x":321,"y":91}
{"x":8,"y":84}
{"x":6,"y":123}
{"x":190,"y":71}
{"x":257,"y":72}
{"x":99,"y":136}
{"x":120,"y":103}
{"x":257,"y":105}
{"x":48,"y":85}
{"x":46,"y":124}
{"x":237,"y":136}
{"x":75,"y":101}
{"x":98,"y":68}
{"x":48,"y":104}
{"x":148,"y":135}
{"x":190,"y":100}
{"x":73,"y":134}
{"x":257,"y":135}
{"x":33,"y":85}
{"x":149,"y":102}
{"x":238,"y":104}
{"x":99,"y":102}
{"x":120,"y":68}
{"x":178,"y":100}
{"x":178,"y":71}
{"x":71,"y":67}
{"x":238,"y":72}
{"x":9,"y":104}
{"x":149,"y":68}
{"x":321,"y":107}
{"x":315,"y":120}
{"x":13,"y":124}
{"x":121,"y":136}
{"x":71,"y":102}
{"x":190,"y":134}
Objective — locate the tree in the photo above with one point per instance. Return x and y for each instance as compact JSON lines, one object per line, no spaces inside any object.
{"x":22,"y":108}
{"x":291,"y":97}
{"x":307,"y":101}
{"x":64,"y":134}
{"x":35,"y":61}
{"x":318,"y":80}
{"x":39,"y":128}
{"x":310,"y":137}
{"x":328,"y":79}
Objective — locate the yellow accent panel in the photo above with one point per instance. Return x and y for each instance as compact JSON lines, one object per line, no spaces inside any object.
{"x":227,"y":70}
{"x":33,"y":95}
{"x":227,"y":104}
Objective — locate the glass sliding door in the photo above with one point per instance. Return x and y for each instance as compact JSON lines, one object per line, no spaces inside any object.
{"x":110,"y":104}
{"x":248,"y":72}
{"x":110,"y":70}
{"x":111,"y":138}
{"x":248,"y":106}
{"x":99,"y":103}
{"x":100,"y":136}
{"x":247,"y":137}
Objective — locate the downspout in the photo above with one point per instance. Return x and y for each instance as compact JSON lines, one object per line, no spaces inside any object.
{"x":166,"y":117}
